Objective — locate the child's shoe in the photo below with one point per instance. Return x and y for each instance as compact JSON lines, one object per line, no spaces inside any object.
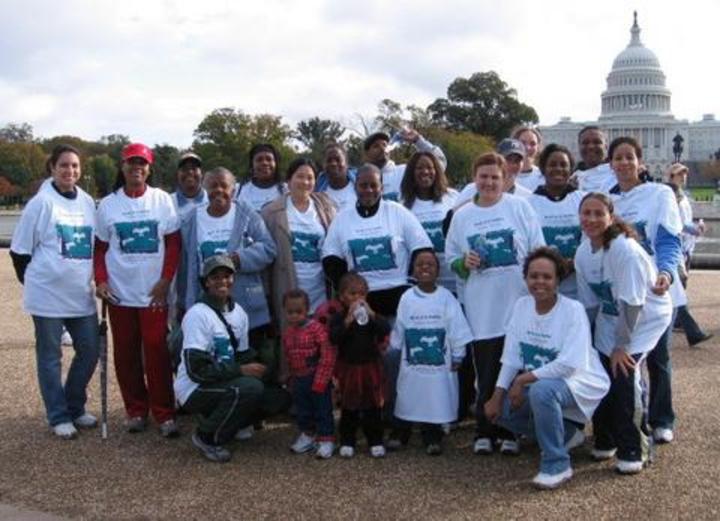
{"x":377,"y":451}
{"x":483,"y":446}
{"x":302,"y":444}
{"x":245,"y":433}
{"x":346,"y":451}
{"x":325,"y":450}
{"x":509,"y":448}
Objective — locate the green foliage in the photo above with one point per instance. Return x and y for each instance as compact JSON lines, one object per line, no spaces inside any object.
{"x":224,"y":138}
{"x":102,"y":170}
{"x":165,"y":166}
{"x":17,"y":133}
{"x":21,"y":163}
{"x":315,"y":133}
{"x":482,"y":103}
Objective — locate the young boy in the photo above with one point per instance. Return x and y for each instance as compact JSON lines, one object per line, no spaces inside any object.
{"x":311,"y":362}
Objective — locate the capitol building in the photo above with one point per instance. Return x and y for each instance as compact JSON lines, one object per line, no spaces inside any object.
{"x":636,"y":103}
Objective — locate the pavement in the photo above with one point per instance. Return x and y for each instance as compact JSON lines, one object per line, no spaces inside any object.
{"x":142,"y":476}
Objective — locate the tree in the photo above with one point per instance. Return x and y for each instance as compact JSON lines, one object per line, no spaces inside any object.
{"x":17,"y":133}
{"x":224,"y":138}
{"x":22,"y":163}
{"x":165,"y":166}
{"x":102,"y":170}
{"x":315,"y":133}
{"x":482,"y":103}
{"x":114,"y":144}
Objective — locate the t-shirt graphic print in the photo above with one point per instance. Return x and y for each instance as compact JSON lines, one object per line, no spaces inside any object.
{"x":425,"y":346}
{"x":75,"y":241}
{"x":496,"y":248}
{"x":372,"y":254}
{"x":138,"y":236}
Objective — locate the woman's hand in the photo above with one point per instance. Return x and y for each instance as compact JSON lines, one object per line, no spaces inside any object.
{"x":619,"y":359}
{"x":662,"y":284}
{"x":158,"y":293}
{"x":472,"y":260}
{"x":102,"y":291}
{"x":410,"y":135}
{"x":493,"y":407}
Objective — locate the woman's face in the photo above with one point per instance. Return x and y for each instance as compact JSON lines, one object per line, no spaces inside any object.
{"x":335,"y":165}
{"x":368,"y":188}
{"x":595,"y":218}
{"x":66,"y":171}
{"x":220,"y":190}
{"x":530,"y":140}
{"x":136,"y":170}
{"x":489,"y":181}
{"x":592,"y":148}
{"x":424,"y":173}
{"x":542,"y":280}
{"x":264,"y":167}
{"x":302,"y":182}
{"x":626,"y":164}
{"x":557,"y":170}
{"x":219,"y":283}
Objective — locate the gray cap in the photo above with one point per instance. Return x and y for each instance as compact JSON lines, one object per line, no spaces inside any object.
{"x":215,"y":262}
{"x":189,"y":156}
{"x":509,"y":146}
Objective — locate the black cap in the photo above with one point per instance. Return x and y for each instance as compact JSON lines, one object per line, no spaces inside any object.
{"x":374,"y":137}
{"x":189,"y":156}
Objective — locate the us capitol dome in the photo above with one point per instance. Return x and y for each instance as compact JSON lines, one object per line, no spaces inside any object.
{"x":637,"y":103}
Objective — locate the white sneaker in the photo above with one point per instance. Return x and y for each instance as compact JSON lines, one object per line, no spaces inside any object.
{"x":550,"y":481}
{"x":447,"y":428}
{"x":86,"y":421}
{"x":377,"y":451}
{"x":245,"y":433}
{"x":302,"y":444}
{"x":602,"y":455}
{"x":509,"y":448}
{"x":663,"y":435}
{"x":346,"y":451}
{"x":66,"y":431}
{"x":66,"y":339}
{"x":629,"y":467}
{"x":575,"y":441}
{"x":325,"y":450}
{"x":483,"y":446}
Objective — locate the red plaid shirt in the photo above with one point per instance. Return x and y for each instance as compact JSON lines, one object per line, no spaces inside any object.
{"x":308,"y":351}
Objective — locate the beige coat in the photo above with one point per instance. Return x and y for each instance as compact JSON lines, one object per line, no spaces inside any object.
{"x":281,"y":273}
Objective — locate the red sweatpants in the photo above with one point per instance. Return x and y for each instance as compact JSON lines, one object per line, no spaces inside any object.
{"x":140,"y":351}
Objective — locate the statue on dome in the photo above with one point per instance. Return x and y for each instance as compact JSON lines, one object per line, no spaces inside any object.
{"x":678,"y":147}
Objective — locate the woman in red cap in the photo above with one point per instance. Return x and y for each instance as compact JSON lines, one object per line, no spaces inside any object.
{"x":136,"y":254}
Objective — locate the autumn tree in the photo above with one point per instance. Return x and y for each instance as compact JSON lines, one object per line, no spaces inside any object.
{"x":315,"y":133}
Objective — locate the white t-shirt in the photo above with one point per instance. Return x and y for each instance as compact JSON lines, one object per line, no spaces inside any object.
{"x":470,"y":190}
{"x":431,"y":331}
{"x":203,"y":330}
{"x":258,"y":197}
{"x":135,"y":229}
{"x":392,"y":175}
{"x":58,"y":233}
{"x":555,"y":345}
{"x":213,"y":233}
{"x":186,"y":210}
{"x":530,"y":180}
{"x":647,"y":207}
{"x":343,"y":198}
{"x":600,"y":178}
{"x":560,"y":221}
{"x":622,"y":272}
{"x":307,"y":236}
{"x":431,"y":215}
{"x":377,"y":247}
{"x":503,"y":235}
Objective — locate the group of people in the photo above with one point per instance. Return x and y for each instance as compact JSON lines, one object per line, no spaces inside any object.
{"x":537,"y":293}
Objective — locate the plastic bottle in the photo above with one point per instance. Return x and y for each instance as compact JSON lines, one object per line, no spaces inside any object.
{"x":361,"y":315}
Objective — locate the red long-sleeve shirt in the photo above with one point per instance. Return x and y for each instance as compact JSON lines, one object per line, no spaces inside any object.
{"x":309,"y":351}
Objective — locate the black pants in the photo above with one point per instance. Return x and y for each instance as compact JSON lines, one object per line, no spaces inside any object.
{"x":466,"y":384}
{"x":369,"y":419}
{"x":431,"y":433}
{"x":486,"y":358}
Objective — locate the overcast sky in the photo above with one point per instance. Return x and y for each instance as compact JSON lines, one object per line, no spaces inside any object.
{"x":152,"y":69}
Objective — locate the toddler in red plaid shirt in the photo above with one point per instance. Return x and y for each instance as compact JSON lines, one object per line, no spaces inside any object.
{"x":311,"y":362}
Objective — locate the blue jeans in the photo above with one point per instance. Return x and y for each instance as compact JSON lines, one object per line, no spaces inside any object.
{"x":64,"y":404}
{"x":659,"y":367}
{"x":313,"y":411}
{"x":687,"y":323}
{"x":541,"y":417}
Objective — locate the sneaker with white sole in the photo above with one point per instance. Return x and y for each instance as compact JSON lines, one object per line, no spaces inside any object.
{"x":433,"y":449}
{"x":325,"y":450}
{"x":550,"y":481}
{"x":65,"y":430}
{"x":575,"y":441}
{"x":245,"y":433}
{"x":603,"y":454}
{"x":169,"y":429}
{"x":302,"y":444}
{"x":377,"y":451}
{"x":628,"y":467}
{"x":216,"y":453}
{"x":346,"y":451}
{"x":85,"y":421}
{"x":483,"y":446}
{"x":509,"y":448}
{"x":136,"y":424}
{"x":663,"y":435}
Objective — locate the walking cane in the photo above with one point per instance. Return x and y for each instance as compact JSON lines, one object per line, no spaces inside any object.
{"x":103,"y":372}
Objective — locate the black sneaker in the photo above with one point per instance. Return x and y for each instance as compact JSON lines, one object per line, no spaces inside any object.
{"x":216,"y":453}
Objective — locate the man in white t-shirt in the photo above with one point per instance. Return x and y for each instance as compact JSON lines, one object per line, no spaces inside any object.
{"x":594,"y":173}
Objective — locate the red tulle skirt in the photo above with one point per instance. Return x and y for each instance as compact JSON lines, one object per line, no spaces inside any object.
{"x":361,"y":386}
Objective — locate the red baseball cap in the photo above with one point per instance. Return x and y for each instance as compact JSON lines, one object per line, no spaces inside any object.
{"x":137,"y":150}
